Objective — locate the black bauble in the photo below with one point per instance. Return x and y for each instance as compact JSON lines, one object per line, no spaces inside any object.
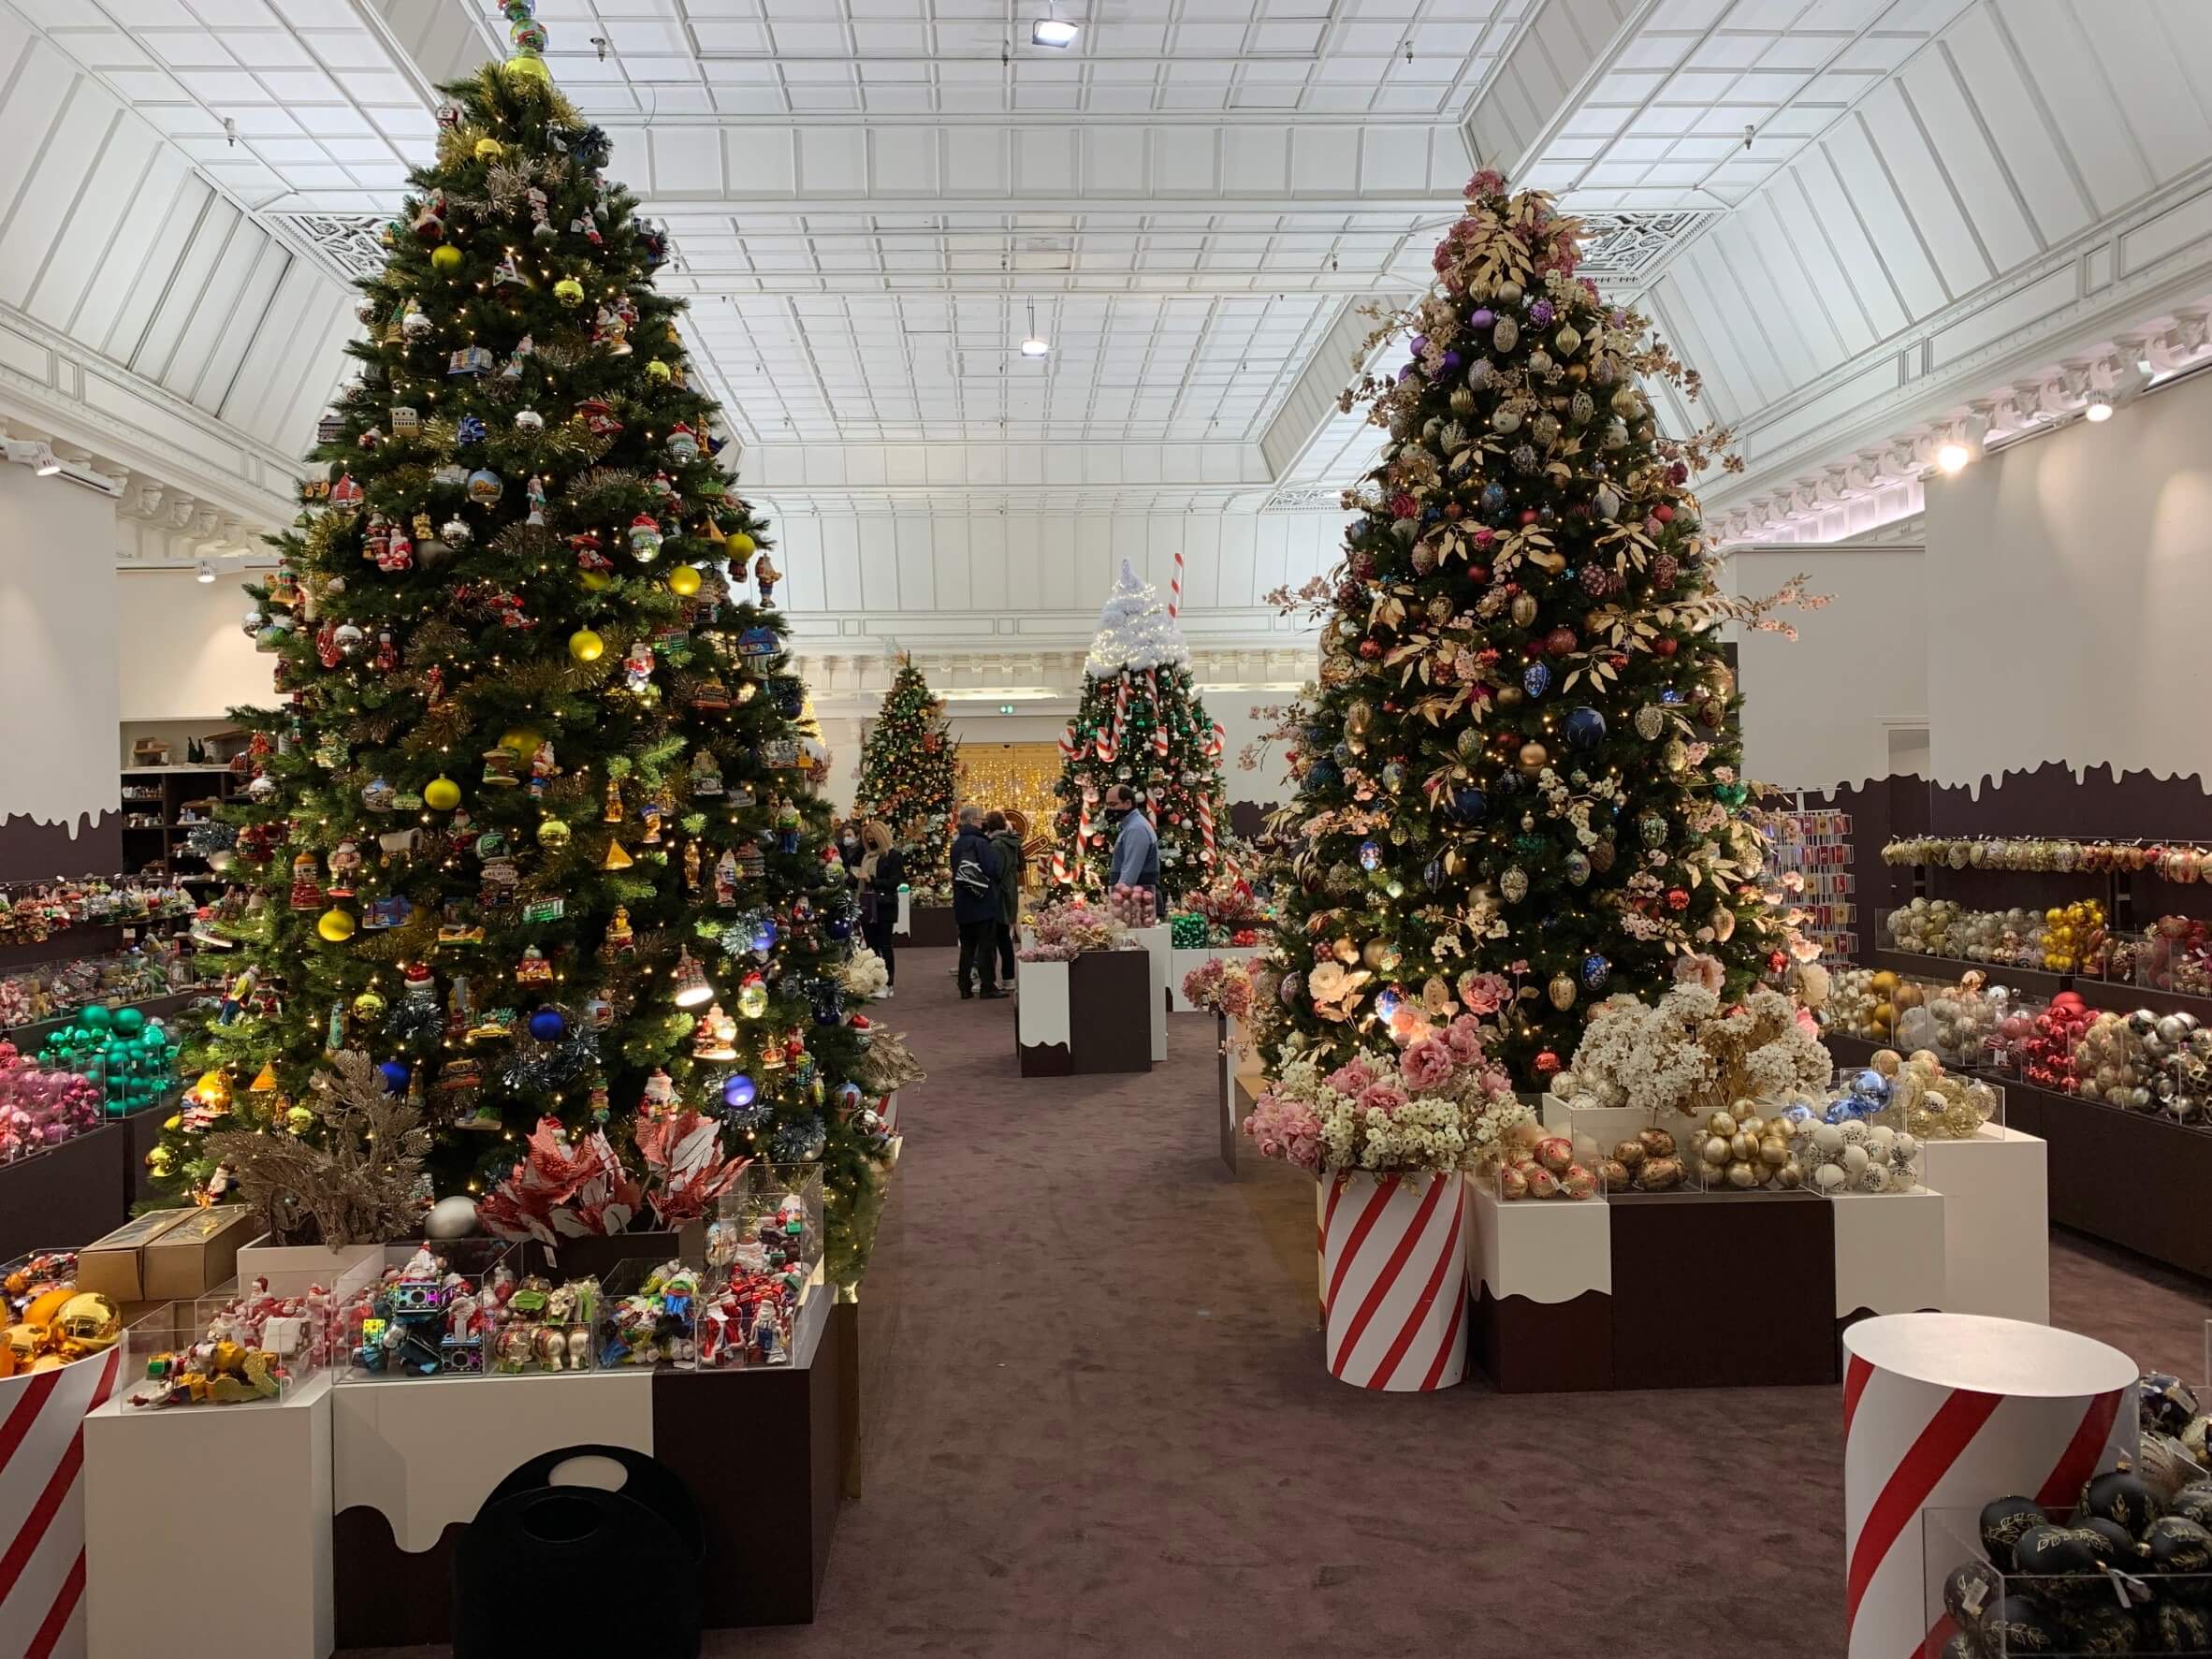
{"x":2183,"y":1550}
{"x":2165,"y":1403}
{"x":2022,"y":1624}
{"x":2194,"y":1501}
{"x":2121,"y":1495}
{"x":2169,"y":1627}
{"x":1961,"y":1645}
{"x":1969,"y":1589}
{"x":2062,"y":1562}
{"x":2121,"y":1548}
{"x":2100,"y":1628}
{"x":2003,"y":1521}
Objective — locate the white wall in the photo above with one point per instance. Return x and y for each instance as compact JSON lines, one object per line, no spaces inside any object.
{"x":2070,"y":592}
{"x":183,"y":656}
{"x":1818,"y":711}
{"x":57,"y":666}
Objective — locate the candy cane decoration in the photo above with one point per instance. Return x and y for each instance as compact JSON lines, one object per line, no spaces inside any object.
{"x":1059,"y":864}
{"x":1206,"y":818}
{"x":1160,"y":740}
{"x":1067,"y":741}
{"x":1175,"y":586}
{"x":1215,"y":742}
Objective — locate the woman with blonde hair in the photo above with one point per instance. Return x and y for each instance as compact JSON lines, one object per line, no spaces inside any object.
{"x":882,"y":872}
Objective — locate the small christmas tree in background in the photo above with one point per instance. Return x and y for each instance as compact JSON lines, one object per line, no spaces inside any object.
{"x":909,"y":777}
{"x":531,"y":829}
{"x":1140,"y":722}
{"x":1518,"y":777}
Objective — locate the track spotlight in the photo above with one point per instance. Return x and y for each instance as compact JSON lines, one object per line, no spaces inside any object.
{"x":203,"y":572}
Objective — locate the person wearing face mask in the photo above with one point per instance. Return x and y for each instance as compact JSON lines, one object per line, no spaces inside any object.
{"x":1136,"y":848}
{"x":849,"y":846}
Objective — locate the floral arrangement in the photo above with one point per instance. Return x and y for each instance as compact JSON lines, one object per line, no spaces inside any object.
{"x":1689,"y":1053}
{"x":1438,"y":1104}
{"x":1220,"y":986}
{"x":1061,"y":932}
{"x":864,"y":973}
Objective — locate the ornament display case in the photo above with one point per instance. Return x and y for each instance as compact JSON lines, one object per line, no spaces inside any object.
{"x":776,"y":1217}
{"x":425,"y":1310}
{"x":197,"y":1354}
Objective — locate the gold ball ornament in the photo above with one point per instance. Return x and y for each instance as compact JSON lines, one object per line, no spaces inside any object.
{"x":585,"y":646}
{"x":441,"y":793}
{"x":683,"y":581}
{"x":298,"y":1119}
{"x":445,"y":257}
{"x":489,"y":150}
{"x":569,"y":292}
{"x":523,"y":741}
{"x":740,"y":545}
{"x":529,"y":69}
{"x":553,"y":834}
{"x":1523,"y":609}
{"x":1534,"y":756}
{"x":593,"y":580}
{"x":1562,"y":990}
{"x":368,"y":1005}
{"x":337,"y":926}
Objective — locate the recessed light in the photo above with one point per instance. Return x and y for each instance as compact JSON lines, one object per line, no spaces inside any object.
{"x":1055,"y":31}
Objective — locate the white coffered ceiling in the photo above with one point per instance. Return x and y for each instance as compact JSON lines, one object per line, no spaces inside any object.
{"x":871,"y":200}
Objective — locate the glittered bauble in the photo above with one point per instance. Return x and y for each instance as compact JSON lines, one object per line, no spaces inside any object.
{"x":1597,"y":970}
{"x":1523,"y":609}
{"x":450,"y":1218}
{"x":1513,"y":883}
{"x":1650,"y":720}
{"x":1371,"y":855}
{"x":1651,"y":827}
{"x":1537,"y":678}
{"x":1584,"y":728}
{"x":1562,"y":991}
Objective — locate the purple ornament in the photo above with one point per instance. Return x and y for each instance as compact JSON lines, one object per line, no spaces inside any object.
{"x":1407,"y":372}
{"x":1419,"y":344}
{"x":1540,"y":313}
{"x":1483,"y":318}
{"x":1452,"y":361}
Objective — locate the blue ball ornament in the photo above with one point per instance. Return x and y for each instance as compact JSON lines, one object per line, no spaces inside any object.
{"x":1595,"y":971}
{"x":548,"y":1025}
{"x":1388,"y":1001}
{"x":740,"y":1091}
{"x":763,"y":937}
{"x":1872,"y":1084}
{"x":1535,"y":680}
{"x":1467,"y":805}
{"x":395,"y":1077}
{"x":1369,"y":856}
{"x":1323,"y":774}
{"x":1506,"y":785}
{"x":1585,"y":728}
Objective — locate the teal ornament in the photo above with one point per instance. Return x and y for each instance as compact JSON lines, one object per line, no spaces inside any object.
{"x":1731,"y":794}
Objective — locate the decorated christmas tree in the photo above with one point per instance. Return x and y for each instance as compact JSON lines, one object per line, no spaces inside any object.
{"x":1518,"y":777}
{"x":1140,"y":722}
{"x":908,"y":771}
{"x":530,"y":827}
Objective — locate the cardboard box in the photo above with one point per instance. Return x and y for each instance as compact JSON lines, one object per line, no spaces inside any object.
{"x":199,"y":1252}
{"x":115,"y":1265}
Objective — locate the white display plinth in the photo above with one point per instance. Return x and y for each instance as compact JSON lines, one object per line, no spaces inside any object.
{"x":176,"y":1567}
{"x":1396,"y":1276}
{"x":1889,"y":1252}
{"x":1182,"y":964}
{"x":1156,"y":941}
{"x":1996,"y":1223}
{"x":1040,"y":1004}
{"x":904,"y":922}
{"x":425,"y":1452}
{"x":1942,"y":1411}
{"x":1549,"y":1250}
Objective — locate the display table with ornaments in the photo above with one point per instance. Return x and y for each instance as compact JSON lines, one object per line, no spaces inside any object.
{"x":1941,"y":1410}
{"x":1180,"y":963}
{"x":2127,"y":1177}
{"x":1161,"y":953}
{"x":42,"y":1537}
{"x":1095,"y":1013}
{"x":925,"y":925}
{"x":157,"y":1558}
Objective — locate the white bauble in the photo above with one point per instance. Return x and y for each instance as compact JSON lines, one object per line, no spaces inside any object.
{"x":1827,"y":1177}
{"x":1855,"y":1158}
{"x":451,"y":1218}
{"x":1828,"y":1137}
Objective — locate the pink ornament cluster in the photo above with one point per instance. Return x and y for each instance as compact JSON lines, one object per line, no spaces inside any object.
{"x":1062,"y":932}
{"x":41,"y":1108}
{"x":1132,"y":906}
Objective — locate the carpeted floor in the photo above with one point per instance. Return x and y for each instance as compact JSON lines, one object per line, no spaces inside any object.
{"x":1096,"y":1420}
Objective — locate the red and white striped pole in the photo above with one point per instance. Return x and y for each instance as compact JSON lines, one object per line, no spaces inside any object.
{"x":1175,"y":586}
{"x":42,"y":1415}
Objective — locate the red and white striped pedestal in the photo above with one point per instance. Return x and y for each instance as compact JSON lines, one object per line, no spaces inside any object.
{"x":1949,"y":1411}
{"x":1393,"y":1280}
{"x":42,"y":1505}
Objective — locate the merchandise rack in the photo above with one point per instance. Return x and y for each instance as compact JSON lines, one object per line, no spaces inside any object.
{"x":161,"y":846}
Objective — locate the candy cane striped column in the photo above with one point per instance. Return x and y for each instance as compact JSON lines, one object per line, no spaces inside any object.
{"x":42,"y":1505}
{"x":1175,"y":586}
{"x":1950,"y":1411}
{"x":1394,"y":1281}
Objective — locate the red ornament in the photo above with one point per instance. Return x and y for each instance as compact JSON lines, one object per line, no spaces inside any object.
{"x":1664,"y":513}
{"x":1372,"y":649}
{"x":1478,"y":574}
{"x":1665,"y":645}
{"x":1528,"y":514}
{"x":1560,"y":641}
{"x":1486,"y":537}
{"x":1452,"y":510}
{"x":1547,"y":1063}
{"x":1776,"y":961}
{"x":1534,"y":649}
{"x":1677,"y":899}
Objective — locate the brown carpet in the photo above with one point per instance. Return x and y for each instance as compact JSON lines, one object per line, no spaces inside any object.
{"x":1096,"y":1421}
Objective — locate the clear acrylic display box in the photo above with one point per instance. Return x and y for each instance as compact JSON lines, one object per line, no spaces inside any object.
{"x":1963,"y":1590}
{"x":425,"y":1311}
{"x":649,"y":1316}
{"x":219,"y":1350}
{"x":546,"y":1328}
{"x":1598,"y":1132}
{"x":770,"y":1223}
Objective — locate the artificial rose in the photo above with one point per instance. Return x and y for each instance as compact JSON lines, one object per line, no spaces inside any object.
{"x":1352,"y":1078}
{"x":1427,"y":1065}
{"x":1465,"y":1038}
{"x":1484,"y":993}
{"x":1382,"y":1097}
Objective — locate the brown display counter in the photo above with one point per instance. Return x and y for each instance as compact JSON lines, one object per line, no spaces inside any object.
{"x":67,"y":1197}
{"x":2127,"y":1177}
{"x":930,"y":926}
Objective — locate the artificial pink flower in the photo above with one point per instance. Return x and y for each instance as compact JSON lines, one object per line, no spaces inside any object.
{"x":1496,"y":1081}
{"x":1484,"y":993}
{"x":1427,"y":1065}
{"x":1487,"y":182}
{"x":1351,"y":1077}
{"x":1464,"y":1038}
{"x":1382,"y":1097}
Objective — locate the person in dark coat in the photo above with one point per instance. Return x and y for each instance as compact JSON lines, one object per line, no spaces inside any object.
{"x":975,"y":902}
{"x":1009,"y":887}
{"x":881,"y":874}
{"x":850,"y":848}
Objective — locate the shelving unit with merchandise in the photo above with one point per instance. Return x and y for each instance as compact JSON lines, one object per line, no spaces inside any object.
{"x":161,"y":808}
{"x":1815,"y":843}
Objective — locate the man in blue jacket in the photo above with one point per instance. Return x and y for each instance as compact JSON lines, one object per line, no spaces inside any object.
{"x":975,"y":902}
{"x":1135,"y":847}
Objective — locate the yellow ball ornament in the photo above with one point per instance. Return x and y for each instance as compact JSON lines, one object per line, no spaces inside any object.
{"x":593,"y":580}
{"x":656,"y":370}
{"x":441,"y":793}
{"x":529,"y":68}
{"x":739,"y":544}
{"x":683,"y":581}
{"x":447,"y":257}
{"x":335,"y":925}
{"x":298,"y":1119}
{"x":569,"y":292}
{"x":585,"y":646}
{"x":489,"y":150}
{"x":523,"y":741}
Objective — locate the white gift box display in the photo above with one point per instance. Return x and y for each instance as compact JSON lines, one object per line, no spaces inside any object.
{"x":1394,"y":1280}
{"x":42,"y":1503}
{"x":1156,"y":941}
{"x":1949,"y":1411}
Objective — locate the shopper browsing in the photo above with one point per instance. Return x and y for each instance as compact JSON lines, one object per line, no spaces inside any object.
{"x":1136,"y":848}
{"x":1009,"y":846}
{"x":975,"y":903}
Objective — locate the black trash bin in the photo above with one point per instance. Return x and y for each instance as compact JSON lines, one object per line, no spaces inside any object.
{"x":552,"y":1570}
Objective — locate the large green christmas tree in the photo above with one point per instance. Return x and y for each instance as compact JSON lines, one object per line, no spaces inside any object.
{"x":1140,"y":722}
{"x":1517,"y":775}
{"x":530,"y":826}
{"x":908,"y":776}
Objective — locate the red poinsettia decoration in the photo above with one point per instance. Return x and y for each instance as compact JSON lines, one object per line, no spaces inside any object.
{"x":561,"y":1189}
{"x":683,"y":1166}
